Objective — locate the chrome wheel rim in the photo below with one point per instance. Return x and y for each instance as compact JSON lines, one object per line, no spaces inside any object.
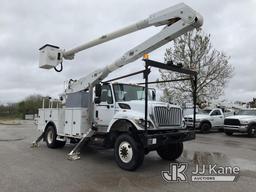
{"x":50,"y":137}
{"x":125,"y":152}
{"x":253,"y":131}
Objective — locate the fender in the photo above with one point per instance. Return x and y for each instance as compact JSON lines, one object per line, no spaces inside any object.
{"x":129,"y":116}
{"x":50,"y":123}
{"x":251,"y":124}
{"x":205,"y":121}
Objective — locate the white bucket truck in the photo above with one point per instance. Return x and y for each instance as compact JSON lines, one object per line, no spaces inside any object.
{"x":112,"y":115}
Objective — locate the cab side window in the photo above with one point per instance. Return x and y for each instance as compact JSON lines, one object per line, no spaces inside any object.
{"x":215,"y":112}
{"x":106,"y":94}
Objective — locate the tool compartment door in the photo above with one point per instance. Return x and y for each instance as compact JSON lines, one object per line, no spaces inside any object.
{"x":41,"y":119}
{"x":68,"y":121}
{"x":80,"y":119}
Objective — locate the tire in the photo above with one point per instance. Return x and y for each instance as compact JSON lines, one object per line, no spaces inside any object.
{"x":170,"y":152}
{"x":129,"y":154}
{"x":252,"y":131}
{"x":50,"y":136}
{"x":228,"y":133}
{"x":205,"y":127}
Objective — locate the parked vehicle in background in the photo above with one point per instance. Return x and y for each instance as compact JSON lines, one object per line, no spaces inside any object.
{"x":188,"y":109}
{"x":243,"y":122}
{"x":205,"y":121}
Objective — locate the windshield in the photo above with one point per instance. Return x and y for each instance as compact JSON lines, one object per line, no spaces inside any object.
{"x":247,"y":112}
{"x":124,"y":92}
{"x":207,"y":111}
{"x":200,"y":111}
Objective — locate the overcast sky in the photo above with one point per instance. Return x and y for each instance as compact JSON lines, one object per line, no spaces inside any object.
{"x":26,"y":25}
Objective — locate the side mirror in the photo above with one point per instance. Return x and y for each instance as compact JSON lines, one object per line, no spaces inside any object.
{"x":153,"y":95}
{"x":98,"y":90}
{"x":97,"y":100}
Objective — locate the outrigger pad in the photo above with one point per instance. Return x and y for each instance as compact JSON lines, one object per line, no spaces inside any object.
{"x":35,"y":144}
{"x":73,"y":157}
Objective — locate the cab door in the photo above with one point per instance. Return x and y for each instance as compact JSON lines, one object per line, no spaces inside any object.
{"x":218,"y":118}
{"x":105,"y":110}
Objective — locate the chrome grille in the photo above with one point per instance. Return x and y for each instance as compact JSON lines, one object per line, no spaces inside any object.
{"x":231,"y":122}
{"x":168,"y":117}
{"x":188,"y":119}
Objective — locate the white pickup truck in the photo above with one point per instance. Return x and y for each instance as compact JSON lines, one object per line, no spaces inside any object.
{"x":243,"y":122}
{"x":205,"y":121}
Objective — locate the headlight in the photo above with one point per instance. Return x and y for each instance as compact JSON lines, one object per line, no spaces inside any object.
{"x":198,"y":120}
{"x":141,"y":123}
{"x":244,"y":122}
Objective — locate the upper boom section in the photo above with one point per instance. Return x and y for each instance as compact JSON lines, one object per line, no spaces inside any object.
{"x":164,"y":17}
{"x":51,"y":56}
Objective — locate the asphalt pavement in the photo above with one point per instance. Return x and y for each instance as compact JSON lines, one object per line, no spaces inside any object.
{"x":27,"y":169}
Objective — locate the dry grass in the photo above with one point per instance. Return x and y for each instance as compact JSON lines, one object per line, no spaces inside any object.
{"x":9,"y":120}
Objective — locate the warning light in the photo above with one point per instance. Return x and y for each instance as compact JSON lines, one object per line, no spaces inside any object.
{"x":145,"y":56}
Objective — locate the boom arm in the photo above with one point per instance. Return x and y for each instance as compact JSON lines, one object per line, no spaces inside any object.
{"x":178,"y":20}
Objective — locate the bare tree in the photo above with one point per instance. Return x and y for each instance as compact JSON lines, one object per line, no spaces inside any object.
{"x":194,"y":51}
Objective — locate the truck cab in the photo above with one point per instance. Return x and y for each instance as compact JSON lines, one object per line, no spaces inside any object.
{"x":116,"y":100}
{"x":127,"y":101}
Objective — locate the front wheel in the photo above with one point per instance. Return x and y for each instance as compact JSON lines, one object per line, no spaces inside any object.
{"x":129,"y":154}
{"x":252,"y":131}
{"x":170,"y":152}
{"x":205,"y":127}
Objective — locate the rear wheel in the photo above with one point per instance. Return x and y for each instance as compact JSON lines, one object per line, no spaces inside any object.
{"x":252,"y":131}
{"x":170,"y":152}
{"x":205,"y":127}
{"x":50,"y":138}
{"x":129,"y":154}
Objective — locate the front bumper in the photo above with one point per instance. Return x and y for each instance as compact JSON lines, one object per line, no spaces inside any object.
{"x":153,"y":139}
{"x":236,"y":128}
